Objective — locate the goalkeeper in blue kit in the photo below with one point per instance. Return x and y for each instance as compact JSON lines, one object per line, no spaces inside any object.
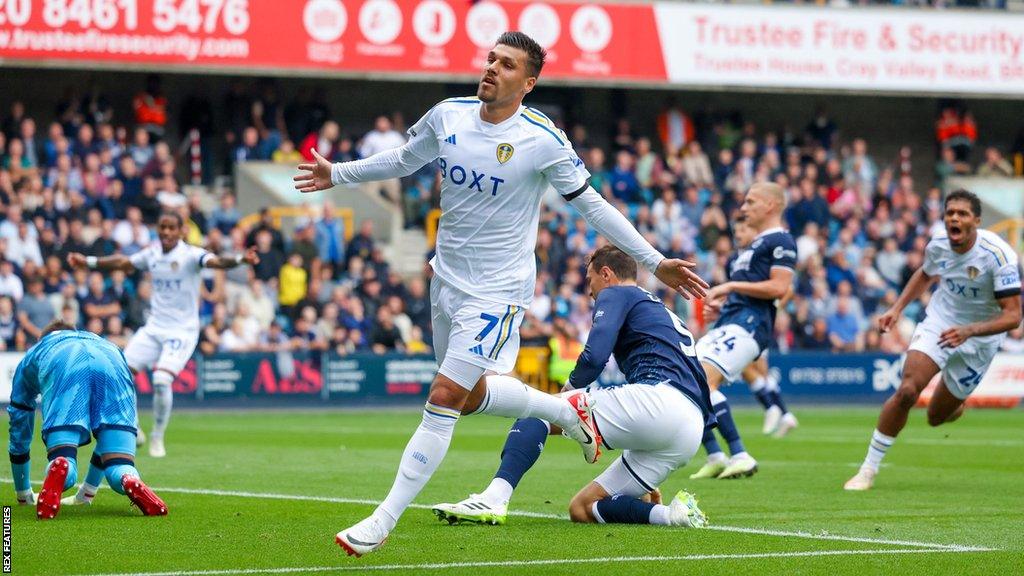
{"x":86,"y":390}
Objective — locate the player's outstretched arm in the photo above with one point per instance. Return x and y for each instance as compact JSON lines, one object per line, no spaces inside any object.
{"x":221,"y":263}
{"x":396,"y":163}
{"x":1009,"y":317}
{"x":916,"y":286}
{"x":114,"y":262}
{"x":609,"y":315}
{"x":610,"y":223}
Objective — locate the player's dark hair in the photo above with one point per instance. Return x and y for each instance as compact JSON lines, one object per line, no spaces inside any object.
{"x":535,"y":54}
{"x":966,"y":196}
{"x":621,"y":263}
{"x":177,"y":218}
{"x":56,"y":325}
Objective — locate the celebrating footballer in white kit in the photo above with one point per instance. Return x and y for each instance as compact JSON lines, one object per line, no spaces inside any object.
{"x":977,"y":301}
{"x":497,"y":158}
{"x":169,"y":337}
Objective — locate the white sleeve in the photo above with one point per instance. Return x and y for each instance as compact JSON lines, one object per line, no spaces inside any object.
{"x":141,"y":259}
{"x":611,"y":224}
{"x":421,"y":148}
{"x":199,"y":257}
{"x":932,"y":253}
{"x":1006,"y":280}
{"x":562,"y":168}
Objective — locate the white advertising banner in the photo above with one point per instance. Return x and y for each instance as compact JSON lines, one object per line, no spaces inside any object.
{"x":8,"y":363}
{"x":836,"y":49}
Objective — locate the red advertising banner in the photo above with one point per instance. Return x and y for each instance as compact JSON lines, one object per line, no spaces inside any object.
{"x":450,"y":37}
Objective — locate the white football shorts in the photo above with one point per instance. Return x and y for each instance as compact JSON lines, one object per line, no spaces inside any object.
{"x":729,"y":349}
{"x":161,"y":349}
{"x":472,"y":336}
{"x":658,"y":429}
{"x":962,"y":367}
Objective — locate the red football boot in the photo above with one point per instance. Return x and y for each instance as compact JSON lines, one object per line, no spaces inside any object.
{"x":48,"y":502}
{"x":148,"y":502}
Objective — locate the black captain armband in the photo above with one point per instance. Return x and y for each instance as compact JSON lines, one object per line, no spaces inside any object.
{"x":19,"y":458}
{"x":574,"y":195}
{"x":1000,"y":294}
{"x":22,"y":407}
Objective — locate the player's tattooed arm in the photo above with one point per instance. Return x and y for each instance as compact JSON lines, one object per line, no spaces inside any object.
{"x":916,"y":286}
{"x":1009,"y":317}
{"x":251,"y":257}
{"x":104,"y":263}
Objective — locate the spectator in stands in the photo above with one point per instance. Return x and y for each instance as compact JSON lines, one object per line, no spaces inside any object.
{"x":843,"y":329}
{"x":385,"y":336}
{"x":330,"y":237}
{"x":648,"y":165}
{"x":10,"y":283}
{"x":151,"y":108}
{"x":271,"y":258}
{"x":955,"y":128}
{"x":99,"y":302}
{"x":362,"y":244}
{"x":11,"y":337}
{"x":292,"y":284}
{"x":286,"y":153}
{"x":249,"y":149}
{"x":35,"y":311}
{"x":115,"y":331}
{"x":324,"y":140}
{"x":138,"y":307}
{"x":226,"y":216}
{"x":995,"y":166}
{"x":232,"y":339}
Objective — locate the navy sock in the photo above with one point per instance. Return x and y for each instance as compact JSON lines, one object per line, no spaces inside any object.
{"x":522,"y":448}
{"x":727,"y":427}
{"x":776,"y":397}
{"x":764,"y":397}
{"x":711,"y":445}
{"x":624,"y":510}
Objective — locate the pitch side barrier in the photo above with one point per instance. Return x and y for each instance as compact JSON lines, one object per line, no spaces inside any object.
{"x":268,"y":379}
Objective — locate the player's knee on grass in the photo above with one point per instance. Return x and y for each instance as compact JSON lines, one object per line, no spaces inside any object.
{"x":580,"y":510}
{"x":71,"y":454}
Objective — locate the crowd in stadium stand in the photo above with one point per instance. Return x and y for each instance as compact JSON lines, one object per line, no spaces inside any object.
{"x":89,"y":179}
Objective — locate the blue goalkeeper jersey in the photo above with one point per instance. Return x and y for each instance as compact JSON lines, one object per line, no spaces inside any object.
{"x":651,"y":346}
{"x":85,"y":385}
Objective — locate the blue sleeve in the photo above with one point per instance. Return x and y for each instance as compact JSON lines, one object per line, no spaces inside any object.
{"x":609,"y":314}
{"x":784,"y":253}
{"x":22,"y":410}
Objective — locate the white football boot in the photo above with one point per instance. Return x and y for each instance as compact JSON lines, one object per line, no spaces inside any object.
{"x":786,"y":425}
{"x":584,"y":430}
{"x":739,"y":467}
{"x":156,"y":447}
{"x":863,"y":480}
{"x":683,"y":511}
{"x":474,"y":510}
{"x":771,"y":419}
{"x":363,"y":538}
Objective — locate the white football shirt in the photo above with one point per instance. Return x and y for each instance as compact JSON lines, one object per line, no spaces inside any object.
{"x":971,"y":283}
{"x":175,"y":276}
{"x":493,"y":178}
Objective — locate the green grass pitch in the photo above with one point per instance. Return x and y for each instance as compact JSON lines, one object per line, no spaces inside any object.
{"x":949,"y":500}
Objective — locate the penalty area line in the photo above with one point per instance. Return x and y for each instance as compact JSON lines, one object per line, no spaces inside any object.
{"x":543,"y":562}
{"x":550,"y":516}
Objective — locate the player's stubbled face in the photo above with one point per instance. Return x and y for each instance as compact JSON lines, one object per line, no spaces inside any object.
{"x":505,"y":76}
{"x":595,"y":282}
{"x":961,"y":223}
{"x":169,"y":233}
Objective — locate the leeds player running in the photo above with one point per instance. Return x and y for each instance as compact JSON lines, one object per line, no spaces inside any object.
{"x":976,"y":302}
{"x":497,"y":158}
{"x":760,"y":275}
{"x":657,"y":419}
{"x":169,"y":337}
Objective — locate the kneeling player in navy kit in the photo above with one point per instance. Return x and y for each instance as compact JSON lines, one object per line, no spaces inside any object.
{"x":657,"y":419}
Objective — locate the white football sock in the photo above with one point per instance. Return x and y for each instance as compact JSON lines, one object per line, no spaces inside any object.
{"x":507,"y":396}
{"x":163,"y":400}
{"x":423,"y":454}
{"x":879,"y":445}
{"x":716,"y":458}
{"x":660,"y":515}
{"x":498,"y":492}
{"x":758,"y":384}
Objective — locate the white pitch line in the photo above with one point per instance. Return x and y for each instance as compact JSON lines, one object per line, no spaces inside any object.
{"x":546,"y":562}
{"x":548,"y":515}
